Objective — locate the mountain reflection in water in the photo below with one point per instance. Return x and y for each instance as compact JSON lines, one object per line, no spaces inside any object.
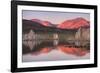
{"x":39,"y":47}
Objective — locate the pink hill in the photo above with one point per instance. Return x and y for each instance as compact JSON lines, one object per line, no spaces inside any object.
{"x":44,"y":23}
{"x":74,"y":23}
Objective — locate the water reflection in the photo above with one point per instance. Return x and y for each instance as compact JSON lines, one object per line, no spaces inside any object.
{"x":38,"y":47}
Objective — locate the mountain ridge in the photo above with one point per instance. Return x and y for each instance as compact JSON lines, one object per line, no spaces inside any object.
{"x":67,"y":24}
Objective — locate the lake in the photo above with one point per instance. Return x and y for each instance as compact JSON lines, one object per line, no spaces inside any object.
{"x":52,"y":50}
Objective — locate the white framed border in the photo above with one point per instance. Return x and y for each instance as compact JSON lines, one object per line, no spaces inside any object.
{"x":52,"y":63}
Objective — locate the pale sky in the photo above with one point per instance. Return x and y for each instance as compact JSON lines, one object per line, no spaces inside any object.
{"x":53,"y":17}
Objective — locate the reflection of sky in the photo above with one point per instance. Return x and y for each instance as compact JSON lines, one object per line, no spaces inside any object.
{"x":53,"y":17}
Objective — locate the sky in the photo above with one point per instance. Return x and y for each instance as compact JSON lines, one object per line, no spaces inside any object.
{"x":53,"y":17}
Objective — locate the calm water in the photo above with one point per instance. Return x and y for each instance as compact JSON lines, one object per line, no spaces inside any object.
{"x":51,"y":50}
